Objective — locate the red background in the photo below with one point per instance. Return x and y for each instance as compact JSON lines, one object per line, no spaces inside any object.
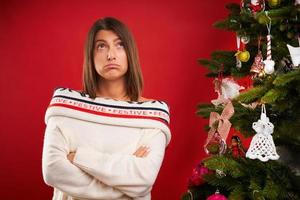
{"x":42,"y":47}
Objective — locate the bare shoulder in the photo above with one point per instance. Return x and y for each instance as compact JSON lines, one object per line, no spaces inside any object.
{"x":143,"y":99}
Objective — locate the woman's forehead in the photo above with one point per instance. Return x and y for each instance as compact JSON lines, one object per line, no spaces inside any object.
{"x":106,"y":35}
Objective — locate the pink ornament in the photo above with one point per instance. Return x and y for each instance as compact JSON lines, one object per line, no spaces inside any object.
{"x":258,"y":65}
{"x":216,"y":196}
{"x":196,"y":178}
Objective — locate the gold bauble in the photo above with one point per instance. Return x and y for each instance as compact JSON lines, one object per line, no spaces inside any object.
{"x":261,"y":74}
{"x":243,"y":56}
{"x":274,"y":3}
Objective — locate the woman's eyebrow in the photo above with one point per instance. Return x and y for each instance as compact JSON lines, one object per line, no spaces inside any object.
{"x":102,"y":40}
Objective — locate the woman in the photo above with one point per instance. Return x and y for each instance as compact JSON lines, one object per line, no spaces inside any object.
{"x":106,"y":142}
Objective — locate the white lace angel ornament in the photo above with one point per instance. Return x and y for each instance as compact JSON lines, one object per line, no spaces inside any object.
{"x":262,"y":146}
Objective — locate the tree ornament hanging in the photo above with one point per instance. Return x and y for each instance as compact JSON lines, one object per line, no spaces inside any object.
{"x":219,"y":129}
{"x":216,"y":196}
{"x":245,"y":39}
{"x":254,"y":6}
{"x":262,"y":146}
{"x":238,"y":44}
{"x":269,"y":63}
{"x":257,"y":68}
{"x":257,"y":5}
{"x":274,"y":3}
{"x":242,"y":55}
{"x":216,"y":145}
{"x":295,"y":53}
{"x":227,"y":90}
{"x":236,"y":149}
{"x":197,"y":176}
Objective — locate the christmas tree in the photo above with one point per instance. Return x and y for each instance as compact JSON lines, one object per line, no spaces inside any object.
{"x":266,"y":109}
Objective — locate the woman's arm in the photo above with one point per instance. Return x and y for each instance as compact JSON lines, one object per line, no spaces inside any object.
{"x":131,"y":174}
{"x":142,"y":151}
{"x":60,"y":173}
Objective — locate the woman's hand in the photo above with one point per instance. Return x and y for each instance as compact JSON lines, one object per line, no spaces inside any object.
{"x":71,"y":156}
{"x":142,"y":151}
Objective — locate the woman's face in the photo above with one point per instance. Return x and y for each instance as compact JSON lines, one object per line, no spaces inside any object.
{"x":109,"y":56}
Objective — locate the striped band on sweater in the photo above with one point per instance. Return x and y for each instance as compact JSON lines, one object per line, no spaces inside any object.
{"x":154,"y":110}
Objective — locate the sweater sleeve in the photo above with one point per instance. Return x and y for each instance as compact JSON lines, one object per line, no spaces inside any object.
{"x":133,"y":175}
{"x":60,"y":173}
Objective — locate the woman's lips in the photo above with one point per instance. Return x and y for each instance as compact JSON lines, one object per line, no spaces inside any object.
{"x":112,"y":66}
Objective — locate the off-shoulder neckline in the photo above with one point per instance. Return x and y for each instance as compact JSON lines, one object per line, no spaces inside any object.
{"x":139,"y":102}
{"x":108,"y":98}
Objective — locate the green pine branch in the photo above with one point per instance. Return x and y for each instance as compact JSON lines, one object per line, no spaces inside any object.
{"x":282,"y":80}
{"x":251,"y":95}
{"x":227,"y":165}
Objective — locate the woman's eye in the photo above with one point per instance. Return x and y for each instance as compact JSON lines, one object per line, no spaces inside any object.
{"x":120,"y":44}
{"x":100,"y":46}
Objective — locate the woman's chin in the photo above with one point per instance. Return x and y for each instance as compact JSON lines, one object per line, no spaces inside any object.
{"x":112,"y":77}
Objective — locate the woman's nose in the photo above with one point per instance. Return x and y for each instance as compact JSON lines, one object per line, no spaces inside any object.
{"x":111,"y":55}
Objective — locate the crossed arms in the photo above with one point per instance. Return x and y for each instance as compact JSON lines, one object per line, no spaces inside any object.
{"x":98,"y":175}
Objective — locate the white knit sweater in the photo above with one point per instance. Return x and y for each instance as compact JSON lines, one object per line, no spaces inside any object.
{"x":104,"y":133}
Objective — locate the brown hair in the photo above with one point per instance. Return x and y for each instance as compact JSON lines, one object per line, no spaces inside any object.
{"x":133,"y":76}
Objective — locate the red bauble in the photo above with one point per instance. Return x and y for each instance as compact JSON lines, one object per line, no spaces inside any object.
{"x":216,"y":196}
{"x":256,"y":8}
{"x":196,"y":178}
{"x":254,"y":5}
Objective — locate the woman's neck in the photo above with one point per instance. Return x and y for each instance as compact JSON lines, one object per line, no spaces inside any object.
{"x":113,"y":89}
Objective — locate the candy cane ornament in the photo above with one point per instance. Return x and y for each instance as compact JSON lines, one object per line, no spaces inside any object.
{"x":269,"y":53}
{"x":238,"y":62}
{"x":269,"y":63}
